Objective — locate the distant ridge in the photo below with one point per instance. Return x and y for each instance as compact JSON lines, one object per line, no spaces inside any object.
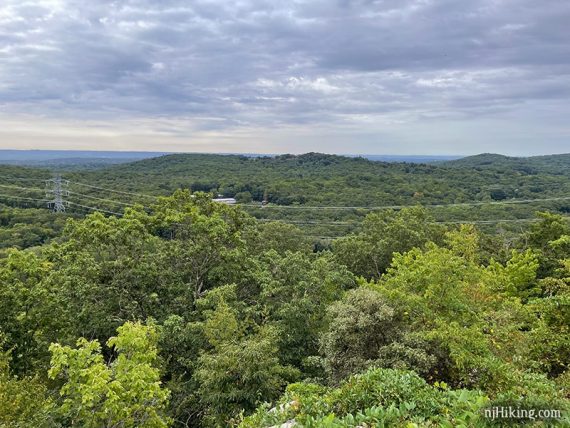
{"x":92,"y":158}
{"x":532,"y":165}
{"x":43,"y":155}
{"x":316,"y":179}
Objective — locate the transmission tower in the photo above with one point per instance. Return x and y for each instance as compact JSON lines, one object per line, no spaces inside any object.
{"x":56,"y":190}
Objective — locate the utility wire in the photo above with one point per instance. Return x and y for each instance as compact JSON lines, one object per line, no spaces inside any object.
{"x":24,"y":198}
{"x":344,"y":223}
{"x":115,"y":191}
{"x":397,"y":207}
{"x":302,"y":207}
{"x":33,"y":189}
{"x":516,"y":220}
{"x":23,"y":178}
{"x":308,"y":207}
{"x":101,"y":199}
{"x":340,"y":223}
{"x":74,"y":193}
{"x":95,"y":209}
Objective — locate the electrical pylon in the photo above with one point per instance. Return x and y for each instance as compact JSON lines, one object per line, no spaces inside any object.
{"x":56,"y":190}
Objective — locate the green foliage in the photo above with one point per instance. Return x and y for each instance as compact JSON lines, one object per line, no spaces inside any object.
{"x":378,"y":397}
{"x":550,"y":228}
{"x":222,"y":326}
{"x":239,"y":375}
{"x":180,"y":344}
{"x":518,"y":277}
{"x":478,"y":332}
{"x":549,"y":237}
{"x":30,"y":316}
{"x":464,"y":242}
{"x":550,"y":344}
{"x":205,"y":245}
{"x":127,"y":392}
{"x":28,"y":227}
{"x":369,"y":253}
{"x":277,"y":236}
{"x":24,"y":401}
{"x":109,"y":271}
{"x":433,"y":284}
{"x":362,"y":325}
{"x":386,"y":317}
{"x":295,"y":290}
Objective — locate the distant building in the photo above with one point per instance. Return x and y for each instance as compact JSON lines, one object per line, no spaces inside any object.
{"x":229,"y":201}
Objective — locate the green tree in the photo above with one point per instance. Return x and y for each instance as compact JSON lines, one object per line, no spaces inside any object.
{"x":481,"y":332}
{"x":243,"y":197}
{"x":109,"y":271}
{"x":126,"y":392}
{"x":239,"y":374}
{"x":205,"y":245}
{"x":361,"y":324}
{"x":31,"y":314}
{"x":295,"y":291}
{"x":464,"y":242}
{"x":517,"y":278}
{"x":548,"y":236}
{"x":550,"y":340}
{"x":24,"y":400}
{"x":277,"y":236}
{"x":366,"y":331}
{"x":370,"y":252}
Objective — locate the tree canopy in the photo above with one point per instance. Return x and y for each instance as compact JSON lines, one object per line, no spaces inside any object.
{"x":186,"y":312}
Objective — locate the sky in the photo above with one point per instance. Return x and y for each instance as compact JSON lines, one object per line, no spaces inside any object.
{"x":446,"y":77}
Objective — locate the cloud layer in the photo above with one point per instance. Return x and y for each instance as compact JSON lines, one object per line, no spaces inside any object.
{"x":377,"y":76}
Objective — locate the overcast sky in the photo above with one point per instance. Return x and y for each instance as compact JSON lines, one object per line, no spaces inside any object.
{"x":336,"y":76}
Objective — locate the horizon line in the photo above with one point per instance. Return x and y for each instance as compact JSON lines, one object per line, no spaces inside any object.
{"x":162,"y":153}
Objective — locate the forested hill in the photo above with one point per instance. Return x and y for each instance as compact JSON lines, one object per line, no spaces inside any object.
{"x":333,"y":194}
{"x":551,"y":164}
{"x":318,"y":179}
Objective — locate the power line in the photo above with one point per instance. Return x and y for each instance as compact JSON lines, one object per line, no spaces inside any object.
{"x":22,"y":178}
{"x":60,"y":192}
{"x":24,"y":198}
{"x":101,"y":199}
{"x":516,"y":220}
{"x":83,"y":185}
{"x":398,"y":207}
{"x":114,"y":191}
{"x":308,"y":207}
{"x":344,"y":223}
{"x":341,"y":223}
{"x":33,"y":189}
{"x":96,"y":209}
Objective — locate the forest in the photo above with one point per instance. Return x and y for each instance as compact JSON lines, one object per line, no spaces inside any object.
{"x":444,"y":294}
{"x":326,"y":196}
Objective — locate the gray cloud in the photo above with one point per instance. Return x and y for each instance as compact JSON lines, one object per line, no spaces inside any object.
{"x":260,"y":64}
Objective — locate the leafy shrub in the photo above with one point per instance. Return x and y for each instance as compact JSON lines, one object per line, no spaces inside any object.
{"x":383,"y":397}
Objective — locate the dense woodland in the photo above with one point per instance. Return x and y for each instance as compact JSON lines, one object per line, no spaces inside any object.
{"x":303,"y":190}
{"x":180,"y":311}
